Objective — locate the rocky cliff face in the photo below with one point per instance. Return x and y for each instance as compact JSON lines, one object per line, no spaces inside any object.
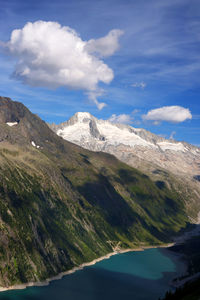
{"x":138,"y":148}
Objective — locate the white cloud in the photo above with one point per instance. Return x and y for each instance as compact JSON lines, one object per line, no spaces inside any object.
{"x":135,"y":111}
{"x":106,"y":45}
{"x":49,"y":55}
{"x":141,"y":85}
{"x":174,"y":114}
{"x":173,"y":133}
{"x":123,"y":118}
{"x":93,"y":95}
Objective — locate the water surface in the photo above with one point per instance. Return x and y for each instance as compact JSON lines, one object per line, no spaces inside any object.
{"x":132,"y":275}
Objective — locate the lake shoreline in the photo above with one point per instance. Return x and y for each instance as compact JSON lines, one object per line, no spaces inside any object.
{"x":83,"y":265}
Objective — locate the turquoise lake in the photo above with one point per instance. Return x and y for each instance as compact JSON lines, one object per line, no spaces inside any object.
{"x":141,"y":275}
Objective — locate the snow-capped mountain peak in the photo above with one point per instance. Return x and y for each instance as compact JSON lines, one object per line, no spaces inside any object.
{"x":129,"y":144}
{"x":83,"y":116}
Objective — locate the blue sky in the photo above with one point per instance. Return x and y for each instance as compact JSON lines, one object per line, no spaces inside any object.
{"x":157,"y":63}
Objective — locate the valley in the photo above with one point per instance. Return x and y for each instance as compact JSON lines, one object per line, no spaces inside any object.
{"x":61,"y":205}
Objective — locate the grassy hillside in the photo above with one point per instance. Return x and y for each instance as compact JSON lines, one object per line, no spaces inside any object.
{"x":61,"y":205}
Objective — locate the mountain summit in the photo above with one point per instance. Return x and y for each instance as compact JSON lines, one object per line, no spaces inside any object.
{"x":130,"y":144}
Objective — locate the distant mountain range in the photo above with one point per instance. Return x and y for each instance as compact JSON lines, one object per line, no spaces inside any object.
{"x":138,"y":148}
{"x":62,"y":205}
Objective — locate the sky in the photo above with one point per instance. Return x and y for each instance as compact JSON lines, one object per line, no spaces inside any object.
{"x":129,"y":61}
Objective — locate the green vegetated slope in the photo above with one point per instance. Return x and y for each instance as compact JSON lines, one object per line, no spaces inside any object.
{"x":61,"y":205}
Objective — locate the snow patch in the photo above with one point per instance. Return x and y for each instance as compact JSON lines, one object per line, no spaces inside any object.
{"x":34,"y":145}
{"x":115,"y":136}
{"x":172,"y":146}
{"x":11,"y":123}
{"x":76,"y":132}
{"x":83,"y":115}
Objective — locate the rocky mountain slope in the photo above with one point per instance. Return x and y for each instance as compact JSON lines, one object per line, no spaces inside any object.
{"x":139,"y":148}
{"x":62,"y":205}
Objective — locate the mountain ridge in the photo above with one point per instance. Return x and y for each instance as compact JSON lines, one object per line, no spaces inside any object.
{"x":62,"y":205}
{"x":80,"y":117}
{"x":159,"y":158}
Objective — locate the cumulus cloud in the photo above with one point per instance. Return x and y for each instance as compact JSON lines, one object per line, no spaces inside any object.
{"x":49,"y":55}
{"x":123,"y":118}
{"x":106,"y":45}
{"x":174,"y":114}
{"x":173,"y":133}
{"x":141,"y":85}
